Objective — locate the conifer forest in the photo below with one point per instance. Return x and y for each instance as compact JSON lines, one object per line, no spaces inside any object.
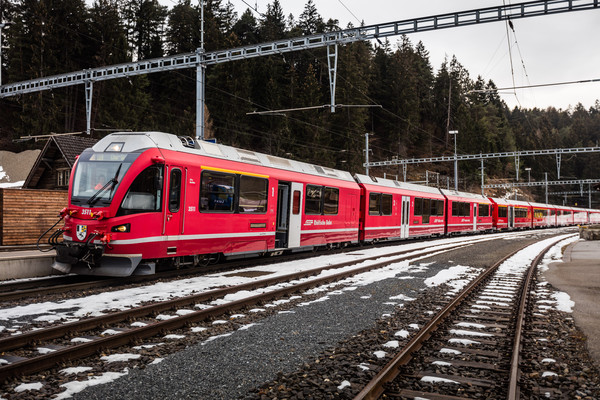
{"x":419,"y":102}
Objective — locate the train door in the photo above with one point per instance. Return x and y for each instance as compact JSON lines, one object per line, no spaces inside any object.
{"x":405,"y":217}
{"x":475,"y":211}
{"x":289,"y":215}
{"x":511,"y":217}
{"x":173,"y":210}
{"x":295,"y":224}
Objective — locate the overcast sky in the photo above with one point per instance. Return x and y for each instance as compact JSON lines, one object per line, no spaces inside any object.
{"x":553,"y":49}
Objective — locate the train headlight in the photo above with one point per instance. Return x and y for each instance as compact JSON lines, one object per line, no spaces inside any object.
{"x":121,"y":228}
{"x":115,"y":146}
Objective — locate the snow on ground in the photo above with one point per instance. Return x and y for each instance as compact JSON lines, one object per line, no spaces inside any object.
{"x":29,"y":386}
{"x":120,"y":357}
{"x":562,"y":301}
{"x":74,"y":370}
{"x":77,"y":386}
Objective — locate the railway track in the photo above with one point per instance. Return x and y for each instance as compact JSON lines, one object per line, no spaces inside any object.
{"x":40,"y":288}
{"x":85,"y":338}
{"x":70,"y":283}
{"x":473,"y":342}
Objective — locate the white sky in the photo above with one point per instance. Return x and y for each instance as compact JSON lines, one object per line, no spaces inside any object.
{"x":555,"y":48}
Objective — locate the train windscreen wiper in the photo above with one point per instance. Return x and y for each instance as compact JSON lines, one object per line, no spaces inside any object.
{"x":108,"y":185}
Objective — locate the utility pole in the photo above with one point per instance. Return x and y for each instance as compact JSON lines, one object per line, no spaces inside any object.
{"x":482,"y":181}
{"x":546,"y":177}
{"x":200,"y":79}
{"x":528,"y":174}
{"x":367,"y":153}
{"x":455,"y":161}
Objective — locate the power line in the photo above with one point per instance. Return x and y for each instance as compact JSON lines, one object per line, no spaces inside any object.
{"x":536,"y":86}
{"x":351,"y":13}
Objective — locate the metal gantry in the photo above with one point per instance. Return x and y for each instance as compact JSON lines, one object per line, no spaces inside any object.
{"x":200,"y":60}
{"x":484,"y":156}
{"x":508,"y":185}
{"x":547,"y":183}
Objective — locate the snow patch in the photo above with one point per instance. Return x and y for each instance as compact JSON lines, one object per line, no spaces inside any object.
{"x":120,"y":357}
{"x":29,"y":386}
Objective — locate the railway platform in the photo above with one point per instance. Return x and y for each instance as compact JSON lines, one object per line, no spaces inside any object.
{"x":579,"y":276}
{"x":19,"y":264}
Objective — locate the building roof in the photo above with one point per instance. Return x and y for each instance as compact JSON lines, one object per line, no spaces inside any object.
{"x":71,"y":146}
{"x":67,"y":146}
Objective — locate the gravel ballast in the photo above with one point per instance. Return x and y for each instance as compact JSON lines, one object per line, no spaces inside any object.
{"x":229,"y":367}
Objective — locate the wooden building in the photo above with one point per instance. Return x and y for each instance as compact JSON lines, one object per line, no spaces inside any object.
{"x":26,"y":214}
{"x":53,"y":166}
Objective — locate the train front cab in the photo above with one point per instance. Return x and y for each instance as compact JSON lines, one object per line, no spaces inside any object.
{"x":463,"y":212}
{"x":399,"y":210}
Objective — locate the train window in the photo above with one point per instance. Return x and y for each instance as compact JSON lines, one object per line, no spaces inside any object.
{"x":253,"y":194}
{"x":217,"y":191}
{"x":174,"y":190}
{"x":484,"y":210}
{"x":465,"y":209}
{"x":331,"y":198}
{"x":144,"y":195}
{"x":312,"y":204}
{"x":296,"y":203}
{"x":461,"y":209}
{"x":439,"y":207}
{"x":418,"y":206}
{"x":374,"y":203}
{"x":433,"y":207}
{"x":521,"y":212}
{"x":502,"y":212}
{"x":386,"y":204}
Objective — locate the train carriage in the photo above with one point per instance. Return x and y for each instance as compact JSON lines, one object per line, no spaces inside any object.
{"x":564,"y":216}
{"x":467,"y":212}
{"x":398,"y":210}
{"x":544,"y":215}
{"x":580,"y":216}
{"x":511,"y":214}
{"x":160,"y":199}
{"x":593,"y":216}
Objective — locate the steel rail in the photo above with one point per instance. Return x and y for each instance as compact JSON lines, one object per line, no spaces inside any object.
{"x":49,"y":360}
{"x":375,"y":388}
{"x":61,"y":284}
{"x":513,"y":385}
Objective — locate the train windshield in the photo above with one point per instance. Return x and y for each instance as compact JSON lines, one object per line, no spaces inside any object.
{"x":97,"y":177}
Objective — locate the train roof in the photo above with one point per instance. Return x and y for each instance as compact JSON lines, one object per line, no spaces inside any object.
{"x":509,"y":202}
{"x":542,"y":205}
{"x":455,"y":193}
{"x":389,"y":183}
{"x":135,"y":141}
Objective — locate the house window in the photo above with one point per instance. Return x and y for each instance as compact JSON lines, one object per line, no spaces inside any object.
{"x":62,"y":177}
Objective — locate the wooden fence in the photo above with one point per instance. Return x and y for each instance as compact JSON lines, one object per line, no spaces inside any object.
{"x":25,"y":214}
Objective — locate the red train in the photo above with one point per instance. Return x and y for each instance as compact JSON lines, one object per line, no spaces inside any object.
{"x":138,"y":201}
